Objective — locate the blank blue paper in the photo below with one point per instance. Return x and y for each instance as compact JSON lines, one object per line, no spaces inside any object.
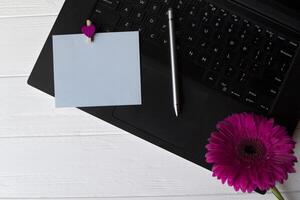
{"x":105,"y":72}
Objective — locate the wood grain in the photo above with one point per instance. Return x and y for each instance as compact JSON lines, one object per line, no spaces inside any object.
{"x":23,"y":8}
{"x":100,"y":166}
{"x":292,"y":196}
{"x":21,"y":42}
{"x":253,"y":196}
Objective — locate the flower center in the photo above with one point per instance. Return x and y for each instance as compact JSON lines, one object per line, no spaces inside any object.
{"x":251,"y":149}
{"x":248,"y":149}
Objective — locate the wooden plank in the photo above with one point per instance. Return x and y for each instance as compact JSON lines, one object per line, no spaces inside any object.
{"x":25,"y":111}
{"x":9,"y":8}
{"x":101,"y":166}
{"x":104,"y":166}
{"x":252,"y":196}
{"x":21,"y":43}
{"x":293,"y":181}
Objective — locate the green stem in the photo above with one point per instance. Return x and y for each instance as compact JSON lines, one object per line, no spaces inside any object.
{"x":276,"y":192}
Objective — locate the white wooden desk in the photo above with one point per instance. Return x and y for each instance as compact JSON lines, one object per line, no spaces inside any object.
{"x":49,"y":153}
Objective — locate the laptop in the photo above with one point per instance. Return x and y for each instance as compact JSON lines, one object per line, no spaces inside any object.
{"x":233,"y":56}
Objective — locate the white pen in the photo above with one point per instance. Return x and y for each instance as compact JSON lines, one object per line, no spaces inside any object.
{"x":175,"y":88}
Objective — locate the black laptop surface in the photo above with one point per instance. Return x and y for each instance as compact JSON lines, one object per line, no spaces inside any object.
{"x":234,"y":56}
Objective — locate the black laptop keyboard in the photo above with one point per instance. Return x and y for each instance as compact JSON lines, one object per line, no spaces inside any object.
{"x":231,"y":54}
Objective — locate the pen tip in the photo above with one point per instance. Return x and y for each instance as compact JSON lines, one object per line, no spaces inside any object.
{"x":176,"y":111}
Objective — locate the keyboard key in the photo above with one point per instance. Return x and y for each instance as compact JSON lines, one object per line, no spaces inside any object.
{"x":190,"y":39}
{"x":203,"y":60}
{"x":273,"y":79}
{"x":258,"y":29}
{"x":224,"y":13}
{"x":203,"y":44}
{"x":230,"y":28}
{"x":205,"y":17}
{"x":291,"y":48}
{"x":218,"y":37}
{"x":141,"y":4}
{"x":246,"y":25}
{"x":192,"y":10}
{"x":244,"y":33}
{"x":265,"y":103}
{"x":193,"y":25}
{"x":106,"y":17}
{"x":180,"y":22}
{"x":283,"y":53}
{"x":243,"y":64}
{"x":283,"y":62}
{"x":236,"y":92}
{"x":167,"y":2}
{"x":250,"y":101}
{"x":235,"y":18}
{"x":163,"y":25}
{"x":154,"y":7}
{"x":250,"y":98}
{"x":264,"y":107}
{"x":270,"y":35}
{"x":125,"y":10}
{"x":179,"y":5}
{"x":151,"y":21}
{"x":269,"y":62}
{"x":138,"y":15}
{"x":255,"y":68}
{"x":151,"y":36}
{"x":269,"y":45}
{"x":217,"y":66}
{"x":283,"y":66}
{"x":125,"y":25}
{"x":164,"y":40}
{"x":258,"y":56}
{"x":205,"y":31}
{"x":232,"y":43}
{"x":245,"y":49}
{"x":190,"y":53}
{"x":252,"y":94}
{"x":216,"y":50}
{"x":277,"y":81}
{"x":273,"y":92}
{"x":230,"y":72}
{"x":212,"y":8}
{"x":242,"y":78}
{"x":223,"y":86}
{"x":217,"y":22}
{"x":256,"y":40}
{"x":113,"y":4}
{"x":211,"y":79}
{"x":230,"y":56}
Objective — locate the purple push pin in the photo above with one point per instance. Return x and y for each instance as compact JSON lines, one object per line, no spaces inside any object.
{"x":89,"y":30}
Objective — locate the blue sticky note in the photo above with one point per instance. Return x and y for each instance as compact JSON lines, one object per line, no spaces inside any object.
{"x":105,"y":72}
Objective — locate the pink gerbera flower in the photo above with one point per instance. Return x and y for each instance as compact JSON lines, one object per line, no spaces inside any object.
{"x":250,"y":152}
